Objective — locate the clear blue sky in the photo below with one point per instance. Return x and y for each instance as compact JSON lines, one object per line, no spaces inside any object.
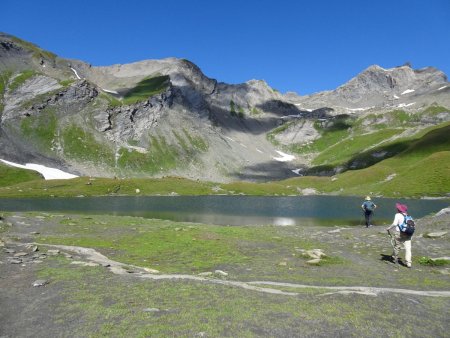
{"x":301,"y":46}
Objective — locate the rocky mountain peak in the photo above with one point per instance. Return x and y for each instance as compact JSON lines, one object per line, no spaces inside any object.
{"x":395,"y":80}
{"x":381,"y":88}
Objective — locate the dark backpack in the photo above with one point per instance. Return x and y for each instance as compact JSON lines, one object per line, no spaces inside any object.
{"x":369,"y":206}
{"x":409,"y":226}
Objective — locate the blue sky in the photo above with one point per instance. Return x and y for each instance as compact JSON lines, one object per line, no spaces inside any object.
{"x":301,"y":46}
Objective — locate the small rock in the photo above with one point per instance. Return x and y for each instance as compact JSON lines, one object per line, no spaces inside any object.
{"x":106,"y":265}
{"x":334,"y":231}
{"x":436,"y":234}
{"x":53,"y":252}
{"x":84,"y":263}
{"x":34,"y":233}
{"x":40,"y":282}
{"x":138,"y":191}
{"x":205,"y":274}
{"x":20,"y":254}
{"x":282,"y":264}
{"x":32,"y":247}
{"x":441,"y":259}
{"x":37,"y":261}
{"x":15,"y":261}
{"x":314,"y":261}
{"x":221,"y":273}
{"x":10,"y":251}
{"x":151,"y":309}
{"x":151,"y":270}
{"x":315,"y":253}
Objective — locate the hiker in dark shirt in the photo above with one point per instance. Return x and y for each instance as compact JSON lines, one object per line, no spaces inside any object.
{"x":368,"y":206}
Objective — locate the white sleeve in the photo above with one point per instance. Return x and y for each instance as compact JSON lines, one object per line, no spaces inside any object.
{"x":398,"y":219}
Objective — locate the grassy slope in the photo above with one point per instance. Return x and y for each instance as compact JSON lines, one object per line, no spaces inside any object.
{"x":10,"y":175}
{"x":420,"y":170}
{"x":142,"y":91}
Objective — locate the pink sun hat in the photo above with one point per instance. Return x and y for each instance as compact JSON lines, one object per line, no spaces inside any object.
{"x":401,"y":207}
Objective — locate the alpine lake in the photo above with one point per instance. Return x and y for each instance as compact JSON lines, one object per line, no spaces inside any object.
{"x":232,"y":210}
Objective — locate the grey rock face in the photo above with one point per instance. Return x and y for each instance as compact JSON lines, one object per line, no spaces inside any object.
{"x":37,"y":85}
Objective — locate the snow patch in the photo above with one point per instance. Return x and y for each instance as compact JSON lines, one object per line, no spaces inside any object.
{"x":305,"y":109}
{"x":297,"y":172}
{"x":78,"y":76}
{"x":48,"y":173}
{"x":442,"y":87}
{"x":138,"y":149}
{"x":110,"y":91}
{"x":259,"y":151}
{"x":396,"y":97}
{"x":360,"y":109}
{"x":403,"y":105}
{"x":407,"y":91}
{"x":284,"y":157}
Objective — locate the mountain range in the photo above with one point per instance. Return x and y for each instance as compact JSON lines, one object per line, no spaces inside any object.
{"x":158,"y":118}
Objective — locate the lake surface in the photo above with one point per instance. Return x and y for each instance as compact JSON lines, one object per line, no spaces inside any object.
{"x":231,"y":210}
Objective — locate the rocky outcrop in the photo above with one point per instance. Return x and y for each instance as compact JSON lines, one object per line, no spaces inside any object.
{"x":127,"y":122}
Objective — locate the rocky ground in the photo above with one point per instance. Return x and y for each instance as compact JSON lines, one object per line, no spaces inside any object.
{"x":37,"y":300}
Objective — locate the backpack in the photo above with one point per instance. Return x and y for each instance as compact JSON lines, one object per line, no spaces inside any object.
{"x":408,"y":226}
{"x":369,"y":206}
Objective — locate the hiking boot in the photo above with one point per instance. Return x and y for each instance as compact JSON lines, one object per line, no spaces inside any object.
{"x":408,"y":265}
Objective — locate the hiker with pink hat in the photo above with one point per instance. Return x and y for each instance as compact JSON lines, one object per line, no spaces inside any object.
{"x":400,"y":237}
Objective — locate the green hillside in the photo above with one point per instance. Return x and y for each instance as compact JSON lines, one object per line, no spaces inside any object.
{"x":11,"y":175}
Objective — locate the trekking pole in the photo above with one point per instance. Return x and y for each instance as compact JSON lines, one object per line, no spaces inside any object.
{"x":391,"y":238}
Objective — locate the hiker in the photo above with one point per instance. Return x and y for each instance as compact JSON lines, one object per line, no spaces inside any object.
{"x":368,"y":206}
{"x":398,"y":236}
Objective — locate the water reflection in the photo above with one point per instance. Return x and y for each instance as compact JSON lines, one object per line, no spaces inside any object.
{"x":284,"y":221}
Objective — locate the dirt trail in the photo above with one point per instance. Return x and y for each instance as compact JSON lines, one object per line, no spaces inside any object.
{"x":115,"y":267}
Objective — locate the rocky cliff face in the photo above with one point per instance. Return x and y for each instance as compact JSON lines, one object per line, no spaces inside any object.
{"x":165,"y":117}
{"x":377,"y":88}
